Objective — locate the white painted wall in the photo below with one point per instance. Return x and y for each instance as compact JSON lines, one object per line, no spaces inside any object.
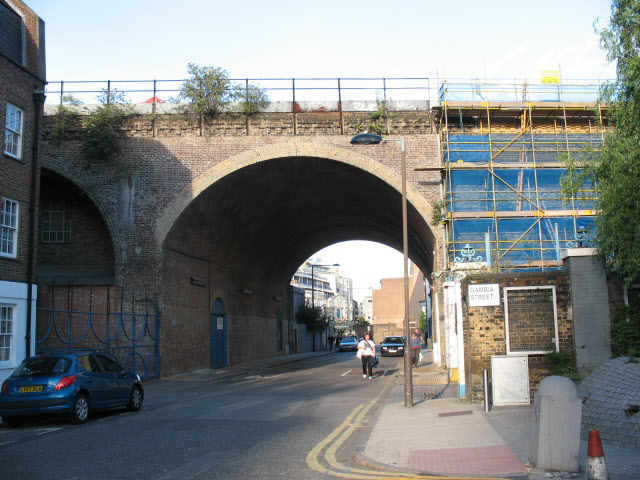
{"x":15,"y":294}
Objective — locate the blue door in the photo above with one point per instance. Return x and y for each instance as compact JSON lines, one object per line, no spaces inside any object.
{"x":218,"y":333}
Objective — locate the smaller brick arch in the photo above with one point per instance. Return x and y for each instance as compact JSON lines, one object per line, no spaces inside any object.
{"x":91,"y":249}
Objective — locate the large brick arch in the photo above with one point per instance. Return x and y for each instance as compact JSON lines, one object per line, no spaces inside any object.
{"x":294,"y":148}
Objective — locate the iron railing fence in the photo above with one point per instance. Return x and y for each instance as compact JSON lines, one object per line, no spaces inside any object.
{"x":96,"y":318}
{"x":431,"y":89}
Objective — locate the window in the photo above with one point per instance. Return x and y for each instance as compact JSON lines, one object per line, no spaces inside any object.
{"x":56,"y":223}
{"x":12,"y":35}
{"x":9,"y":228}
{"x":7,"y":313}
{"x":13,"y":131}
{"x":89,"y":364}
{"x":109,"y":365}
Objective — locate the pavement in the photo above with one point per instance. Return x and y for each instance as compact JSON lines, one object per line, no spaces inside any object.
{"x":444,"y":435}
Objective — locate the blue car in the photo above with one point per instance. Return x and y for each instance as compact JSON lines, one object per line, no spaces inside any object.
{"x":70,"y":383}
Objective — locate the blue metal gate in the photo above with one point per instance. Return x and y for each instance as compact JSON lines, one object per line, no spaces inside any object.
{"x":96,"y":318}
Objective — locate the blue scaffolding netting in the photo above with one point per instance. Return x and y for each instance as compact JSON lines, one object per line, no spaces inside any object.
{"x":526,"y":148}
{"x":515,"y":215}
{"x":518,"y":91}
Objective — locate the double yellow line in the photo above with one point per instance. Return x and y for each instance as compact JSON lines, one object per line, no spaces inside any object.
{"x":337,"y":438}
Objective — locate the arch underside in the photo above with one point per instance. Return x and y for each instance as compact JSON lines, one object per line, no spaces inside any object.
{"x":267,"y":218}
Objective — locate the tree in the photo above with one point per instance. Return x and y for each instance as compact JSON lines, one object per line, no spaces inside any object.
{"x":209,"y":90}
{"x":313,"y":317}
{"x":253,"y":99}
{"x":423,"y":322}
{"x":615,"y":173}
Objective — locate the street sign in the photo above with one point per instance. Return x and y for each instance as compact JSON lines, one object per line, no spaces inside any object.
{"x":484,"y":295}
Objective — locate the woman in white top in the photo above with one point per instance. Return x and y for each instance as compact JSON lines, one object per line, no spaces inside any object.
{"x":368,"y":354}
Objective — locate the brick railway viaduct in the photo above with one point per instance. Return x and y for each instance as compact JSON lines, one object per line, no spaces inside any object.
{"x":193,"y":213}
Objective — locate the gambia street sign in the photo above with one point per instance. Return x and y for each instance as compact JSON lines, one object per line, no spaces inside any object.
{"x":484,"y":295}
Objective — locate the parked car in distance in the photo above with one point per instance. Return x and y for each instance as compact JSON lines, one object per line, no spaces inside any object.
{"x":392,"y":345}
{"x":70,"y":383}
{"x":348,"y":344}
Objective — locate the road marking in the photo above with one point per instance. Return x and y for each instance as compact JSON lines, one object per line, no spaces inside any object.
{"x":42,"y":431}
{"x":337,"y":438}
{"x":345,"y":373}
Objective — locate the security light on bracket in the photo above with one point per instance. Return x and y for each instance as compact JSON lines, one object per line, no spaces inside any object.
{"x":366,"y":139}
{"x":247,"y":292}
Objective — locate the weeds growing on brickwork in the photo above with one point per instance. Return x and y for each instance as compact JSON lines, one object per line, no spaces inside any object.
{"x":562,"y":363}
{"x":375,"y":122}
{"x":67,"y":119}
{"x":437,"y":213}
{"x":102,"y":127}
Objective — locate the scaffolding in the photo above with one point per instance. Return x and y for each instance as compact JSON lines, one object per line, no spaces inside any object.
{"x":502,"y":151}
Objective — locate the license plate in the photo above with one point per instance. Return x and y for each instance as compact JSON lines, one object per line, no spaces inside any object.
{"x":36,"y":388}
{"x":393,"y":350}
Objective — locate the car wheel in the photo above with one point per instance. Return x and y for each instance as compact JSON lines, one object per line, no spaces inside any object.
{"x":135,"y":400}
{"x":80,"y":409}
{"x":12,"y":422}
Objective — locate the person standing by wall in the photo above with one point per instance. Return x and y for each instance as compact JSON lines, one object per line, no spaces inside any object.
{"x":368,"y":354}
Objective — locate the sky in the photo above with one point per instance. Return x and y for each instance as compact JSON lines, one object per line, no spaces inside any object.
{"x":257,"y":39}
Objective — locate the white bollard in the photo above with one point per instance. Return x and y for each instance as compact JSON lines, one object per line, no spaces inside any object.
{"x":557,"y":410}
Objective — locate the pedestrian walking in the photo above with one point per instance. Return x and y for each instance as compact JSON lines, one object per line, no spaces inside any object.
{"x":419,"y":334}
{"x":368,"y":354}
{"x":414,"y":344}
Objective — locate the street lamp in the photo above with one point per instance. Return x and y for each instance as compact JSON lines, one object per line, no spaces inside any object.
{"x":372,"y":139}
{"x":313,"y":302}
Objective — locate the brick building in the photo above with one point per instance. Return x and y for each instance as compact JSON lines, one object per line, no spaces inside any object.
{"x":388,"y":304}
{"x":22,"y":80}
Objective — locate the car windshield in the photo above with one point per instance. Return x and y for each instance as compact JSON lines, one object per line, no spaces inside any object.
{"x":394,"y":340}
{"x":348,"y":340}
{"x":42,"y":366}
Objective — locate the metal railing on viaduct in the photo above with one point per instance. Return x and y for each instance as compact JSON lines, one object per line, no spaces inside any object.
{"x":433,"y":90}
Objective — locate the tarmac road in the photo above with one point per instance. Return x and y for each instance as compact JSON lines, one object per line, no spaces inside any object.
{"x":289,"y":421}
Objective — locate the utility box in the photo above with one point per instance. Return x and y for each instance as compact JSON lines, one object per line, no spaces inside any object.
{"x":557,"y":413}
{"x":510,"y":380}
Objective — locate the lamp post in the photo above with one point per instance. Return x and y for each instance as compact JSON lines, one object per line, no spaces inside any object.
{"x":313,"y":283}
{"x":372,"y":139}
